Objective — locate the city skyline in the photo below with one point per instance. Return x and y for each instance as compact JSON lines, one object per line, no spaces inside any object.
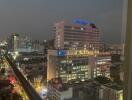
{"x":36,"y":18}
{"x":64,"y":50}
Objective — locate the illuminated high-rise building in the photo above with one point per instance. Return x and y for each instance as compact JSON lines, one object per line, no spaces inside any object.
{"x":70,"y":65}
{"x":79,"y":35}
{"x":23,"y":44}
{"x":77,"y":43}
{"x":13,"y":42}
{"x":101,"y":64}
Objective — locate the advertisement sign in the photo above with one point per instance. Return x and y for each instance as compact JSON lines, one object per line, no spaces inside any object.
{"x":61,"y":53}
{"x":76,"y":52}
{"x":81,"y":22}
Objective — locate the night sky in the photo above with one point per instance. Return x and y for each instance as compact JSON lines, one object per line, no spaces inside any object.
{"x":35,"y":18}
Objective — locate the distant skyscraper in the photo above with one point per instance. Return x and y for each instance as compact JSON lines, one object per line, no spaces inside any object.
{"x":80,"y":35}
{"x":13,"y":42}
{"x":23,"y":44}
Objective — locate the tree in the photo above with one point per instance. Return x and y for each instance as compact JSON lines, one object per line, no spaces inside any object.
{"x":102,"y":79}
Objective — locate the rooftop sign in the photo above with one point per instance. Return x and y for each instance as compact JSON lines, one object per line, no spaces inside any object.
{"x":81,"y":22}
{"x":63,"y":53}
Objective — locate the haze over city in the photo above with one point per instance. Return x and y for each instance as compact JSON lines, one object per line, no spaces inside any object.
{"x":35,"y":18}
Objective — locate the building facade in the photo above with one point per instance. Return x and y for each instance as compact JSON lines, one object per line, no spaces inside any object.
{"x":23,"y":44}
{"x":12,"y":42}
{"x":70,"y":65}
{"x":101,"y":64}
{"x":76,"y":36}
{"x":110,"y":92}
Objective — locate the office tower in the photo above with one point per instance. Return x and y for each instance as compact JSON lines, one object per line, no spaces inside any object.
{"x":13,"y":42}
{"x":76,"y":43}
{"x":23,"y":44}
{"x":70,"y":65}
{"x":78,"y":35}
{"x":101,"y":64}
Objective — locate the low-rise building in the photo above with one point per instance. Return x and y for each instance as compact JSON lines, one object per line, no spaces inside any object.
{"x":58,"y":91}
{"x":111,"y":92}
